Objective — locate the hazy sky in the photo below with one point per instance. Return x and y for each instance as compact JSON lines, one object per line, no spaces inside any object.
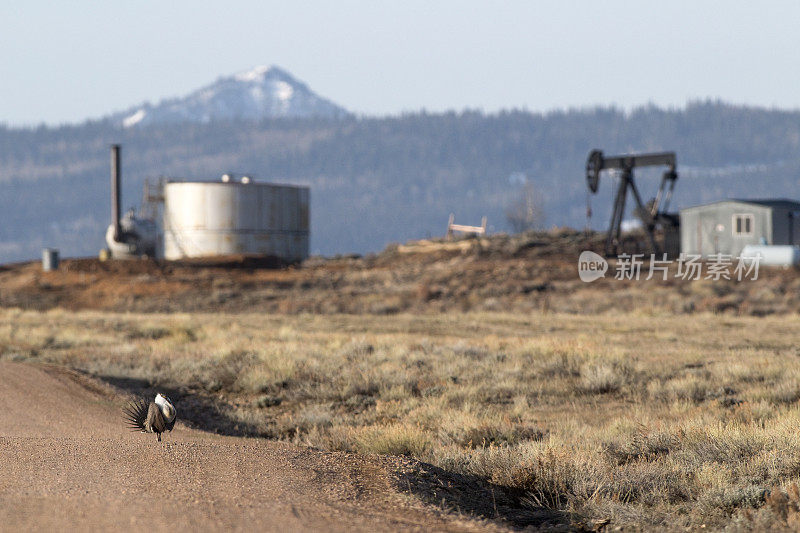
{"x":68,"y":61}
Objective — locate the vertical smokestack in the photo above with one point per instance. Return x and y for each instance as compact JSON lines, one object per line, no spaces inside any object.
{"x":116,"y":175}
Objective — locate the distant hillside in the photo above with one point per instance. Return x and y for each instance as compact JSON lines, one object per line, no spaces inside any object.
{"x":263,"y":92}
{"x":380,"y":180}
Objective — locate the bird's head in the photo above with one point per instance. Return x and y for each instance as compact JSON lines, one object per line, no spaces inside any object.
{"x":167,"y":409}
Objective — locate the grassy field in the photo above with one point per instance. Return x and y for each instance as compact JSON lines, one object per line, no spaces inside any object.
{"x":645,"y":419}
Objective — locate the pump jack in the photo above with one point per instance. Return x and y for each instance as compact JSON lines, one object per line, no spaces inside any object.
{"x":654,"y":214}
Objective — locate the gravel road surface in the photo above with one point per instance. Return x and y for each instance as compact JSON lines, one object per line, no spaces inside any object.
{"x":67,"y":461}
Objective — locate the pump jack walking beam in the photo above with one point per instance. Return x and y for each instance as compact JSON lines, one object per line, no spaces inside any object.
{"x":651,"y":215}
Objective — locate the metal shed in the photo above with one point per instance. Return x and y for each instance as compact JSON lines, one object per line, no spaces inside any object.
{"x":727,"y":226}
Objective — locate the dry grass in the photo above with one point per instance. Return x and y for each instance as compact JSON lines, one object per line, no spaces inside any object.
{"x":649,"y":420}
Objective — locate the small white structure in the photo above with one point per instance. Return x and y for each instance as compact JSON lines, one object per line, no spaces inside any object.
{"x":203,"y":218}
{"x":476,"y":230}
{"x":728,"y":226}
{"x":138,"y":237}
{"x":772,"y":254}
{"x":49,"y":259}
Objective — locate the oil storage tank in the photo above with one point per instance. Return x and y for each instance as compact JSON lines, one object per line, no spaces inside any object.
{"x":212,"y":218}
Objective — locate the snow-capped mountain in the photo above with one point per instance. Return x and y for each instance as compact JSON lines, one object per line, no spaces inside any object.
{"x":263,"y":92}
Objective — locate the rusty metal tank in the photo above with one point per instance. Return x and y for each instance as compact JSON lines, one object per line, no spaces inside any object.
{"x":213,"y":218}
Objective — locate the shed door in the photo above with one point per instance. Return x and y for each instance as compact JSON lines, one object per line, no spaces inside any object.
{"x":708,"y":238}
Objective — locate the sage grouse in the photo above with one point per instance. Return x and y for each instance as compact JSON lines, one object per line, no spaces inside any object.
{"x":151,"y":417}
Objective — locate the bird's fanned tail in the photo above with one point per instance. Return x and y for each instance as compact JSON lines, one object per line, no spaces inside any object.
{"x":136,"y":414}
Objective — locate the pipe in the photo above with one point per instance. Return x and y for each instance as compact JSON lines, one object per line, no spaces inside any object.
{"x":116,"y":176}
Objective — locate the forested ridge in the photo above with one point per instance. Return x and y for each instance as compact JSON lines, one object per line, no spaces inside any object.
{"x":376,"y":180}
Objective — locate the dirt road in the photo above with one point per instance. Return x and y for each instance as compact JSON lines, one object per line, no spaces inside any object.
{"x":66,"y":460}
